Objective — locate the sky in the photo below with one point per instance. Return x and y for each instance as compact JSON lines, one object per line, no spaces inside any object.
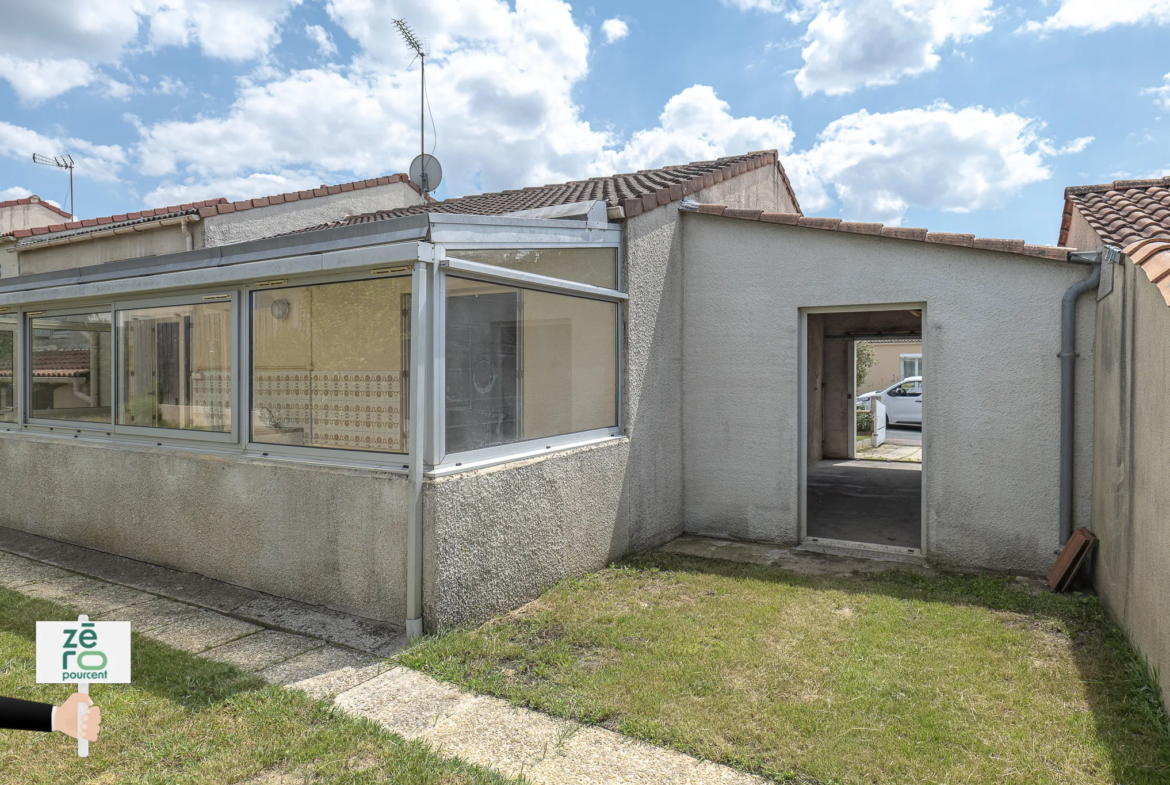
{"x":955,"y":115}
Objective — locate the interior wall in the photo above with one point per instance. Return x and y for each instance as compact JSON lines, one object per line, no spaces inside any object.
{"x":992,"y":479}
{"x":1131,"y":461}
{"x":816,"y":384}
{"x":838,"y":398}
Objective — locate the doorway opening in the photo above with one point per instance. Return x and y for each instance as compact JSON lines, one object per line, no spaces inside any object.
{"x":864,"y":460}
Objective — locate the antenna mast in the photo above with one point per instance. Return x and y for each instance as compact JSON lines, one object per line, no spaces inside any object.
{"x":420,"y":49}
{"x":61,"y":162}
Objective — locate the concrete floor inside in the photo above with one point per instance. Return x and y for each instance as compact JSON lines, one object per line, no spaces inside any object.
{"x":873,"y":502}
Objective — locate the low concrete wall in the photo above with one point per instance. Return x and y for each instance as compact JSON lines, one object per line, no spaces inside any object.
{"x":1131,"y":463}
{"x":494,"y":539}
{"x":992,"y":450}
{"x":327,"y":536}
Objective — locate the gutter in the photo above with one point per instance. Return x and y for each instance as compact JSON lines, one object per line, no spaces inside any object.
{"x":1068,"y":360}
{"x":142,"y":226}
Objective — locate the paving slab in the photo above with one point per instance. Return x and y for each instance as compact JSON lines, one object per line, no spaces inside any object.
{"x":326,"y":671}
{"x":66,"y":590}
{"x":404,"y":701}
{"x":152,"y":614}
{"x":16,"y":571}
{"x":594,"y":756}
{"x":110,"y":598}
{"x":355,"y":632}
{"x":201,"y":631}
{"x":185,"y":586}
{"x":262,"y":649}
{"x":491,"y":732}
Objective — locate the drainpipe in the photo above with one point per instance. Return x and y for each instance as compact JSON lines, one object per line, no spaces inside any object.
{"x":187,"y":233}
{"x":1068,"y":360}
{"x":420,"y":317}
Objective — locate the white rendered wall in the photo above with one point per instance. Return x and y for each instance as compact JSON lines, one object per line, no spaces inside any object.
{"x":992,"y":446}
{"x":275,"y":219}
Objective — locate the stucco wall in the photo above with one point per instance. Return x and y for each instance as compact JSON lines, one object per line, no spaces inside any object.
{"x":1081,"y":235}
{"x":112,"y":248}
{"x":281,"y":218}
{"x":991,"y":449}
{"x":328,"y":536}
{"x":1131,"y":464}
{"x":26,"y":216}
{"x":495,"y":538}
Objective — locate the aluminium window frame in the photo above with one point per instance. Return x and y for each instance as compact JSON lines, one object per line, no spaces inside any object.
{"x":192,"y":298}
{"x":440,"y":462}
{"x":17,"y":368}
{"x":26,"y":379}
{"x":389,"y":461}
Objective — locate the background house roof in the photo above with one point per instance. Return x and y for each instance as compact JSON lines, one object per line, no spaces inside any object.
{"x":34,"y":199}
{"x":895,"y":232}
{"x":635,"y":193}
{"x":204,"y":209}
{"x":1121,"y":212}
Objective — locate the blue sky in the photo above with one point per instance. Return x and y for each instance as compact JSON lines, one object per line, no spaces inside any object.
{"x":957,"y":115}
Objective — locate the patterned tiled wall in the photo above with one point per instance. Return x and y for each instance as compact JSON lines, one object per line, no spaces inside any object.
{"x":357,"y":410}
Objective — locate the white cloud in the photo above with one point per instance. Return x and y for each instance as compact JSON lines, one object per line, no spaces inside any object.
{"x":50,"y":48}
{"x":867,"y":43}
{"x":614,"y":30}
{"x":500,"y":81}
{"x":96,"y":162}
{"x":320,"y":36}
{"x":770,"y":6}
{"x":1096,"y":15}
{"x":696,"y":125}
{"x":15,"y":192}
{"x":957,"y":160}
{"x":171,"y":85}
{"x":1161,"y":94}
{"x":227,"y":29}
{"x":234,"y":188}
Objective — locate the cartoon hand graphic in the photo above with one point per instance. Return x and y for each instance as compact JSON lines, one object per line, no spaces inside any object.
{"x":65,"y":719}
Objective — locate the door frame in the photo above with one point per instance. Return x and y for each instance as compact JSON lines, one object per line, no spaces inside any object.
{"x":802,"y":429}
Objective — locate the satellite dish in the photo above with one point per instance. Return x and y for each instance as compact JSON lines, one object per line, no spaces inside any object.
{"x":425,"y":172}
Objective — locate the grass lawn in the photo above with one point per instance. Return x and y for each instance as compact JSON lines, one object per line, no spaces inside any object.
{"x":188,"y":720}
{"x":895,"y":678}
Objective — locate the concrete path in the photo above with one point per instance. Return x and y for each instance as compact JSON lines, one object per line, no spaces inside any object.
{"x":892,"y":451}
{"x":331,"y":655}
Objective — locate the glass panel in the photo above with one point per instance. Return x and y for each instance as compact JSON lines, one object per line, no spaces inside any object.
{"x":526,"y":365}
{"x":7,"y":368}
{"x":594,"y":266}
{"x":175,"y":367}
{"x":71,"y":368}
{"x":329,"y":365}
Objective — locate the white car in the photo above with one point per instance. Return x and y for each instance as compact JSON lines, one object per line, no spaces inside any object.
{"x":903,"y":401}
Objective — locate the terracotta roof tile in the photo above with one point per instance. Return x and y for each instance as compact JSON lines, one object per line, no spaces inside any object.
{"x":635,"y":193}
{"x":1122,"y":212}
{"x":1152,"y":255}
{"x":1019,"y":247}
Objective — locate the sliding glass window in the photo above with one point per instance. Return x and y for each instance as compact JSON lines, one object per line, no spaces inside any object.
{"x":70,"y":369}
{"x":329,"y":365}
{"x":525,"y":364}
{"x":175,"y":367}
{"x":8,"y":350}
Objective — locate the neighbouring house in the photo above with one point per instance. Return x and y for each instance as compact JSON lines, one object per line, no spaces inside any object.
{"x":428,"y":414}
{"x":894,"y":360}
{"x":59,"y":245}
{"x":26,"y":213}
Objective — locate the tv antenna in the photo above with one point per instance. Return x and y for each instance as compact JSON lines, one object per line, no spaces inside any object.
{"x":61,"y":162}
{"x":425,"y":169}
